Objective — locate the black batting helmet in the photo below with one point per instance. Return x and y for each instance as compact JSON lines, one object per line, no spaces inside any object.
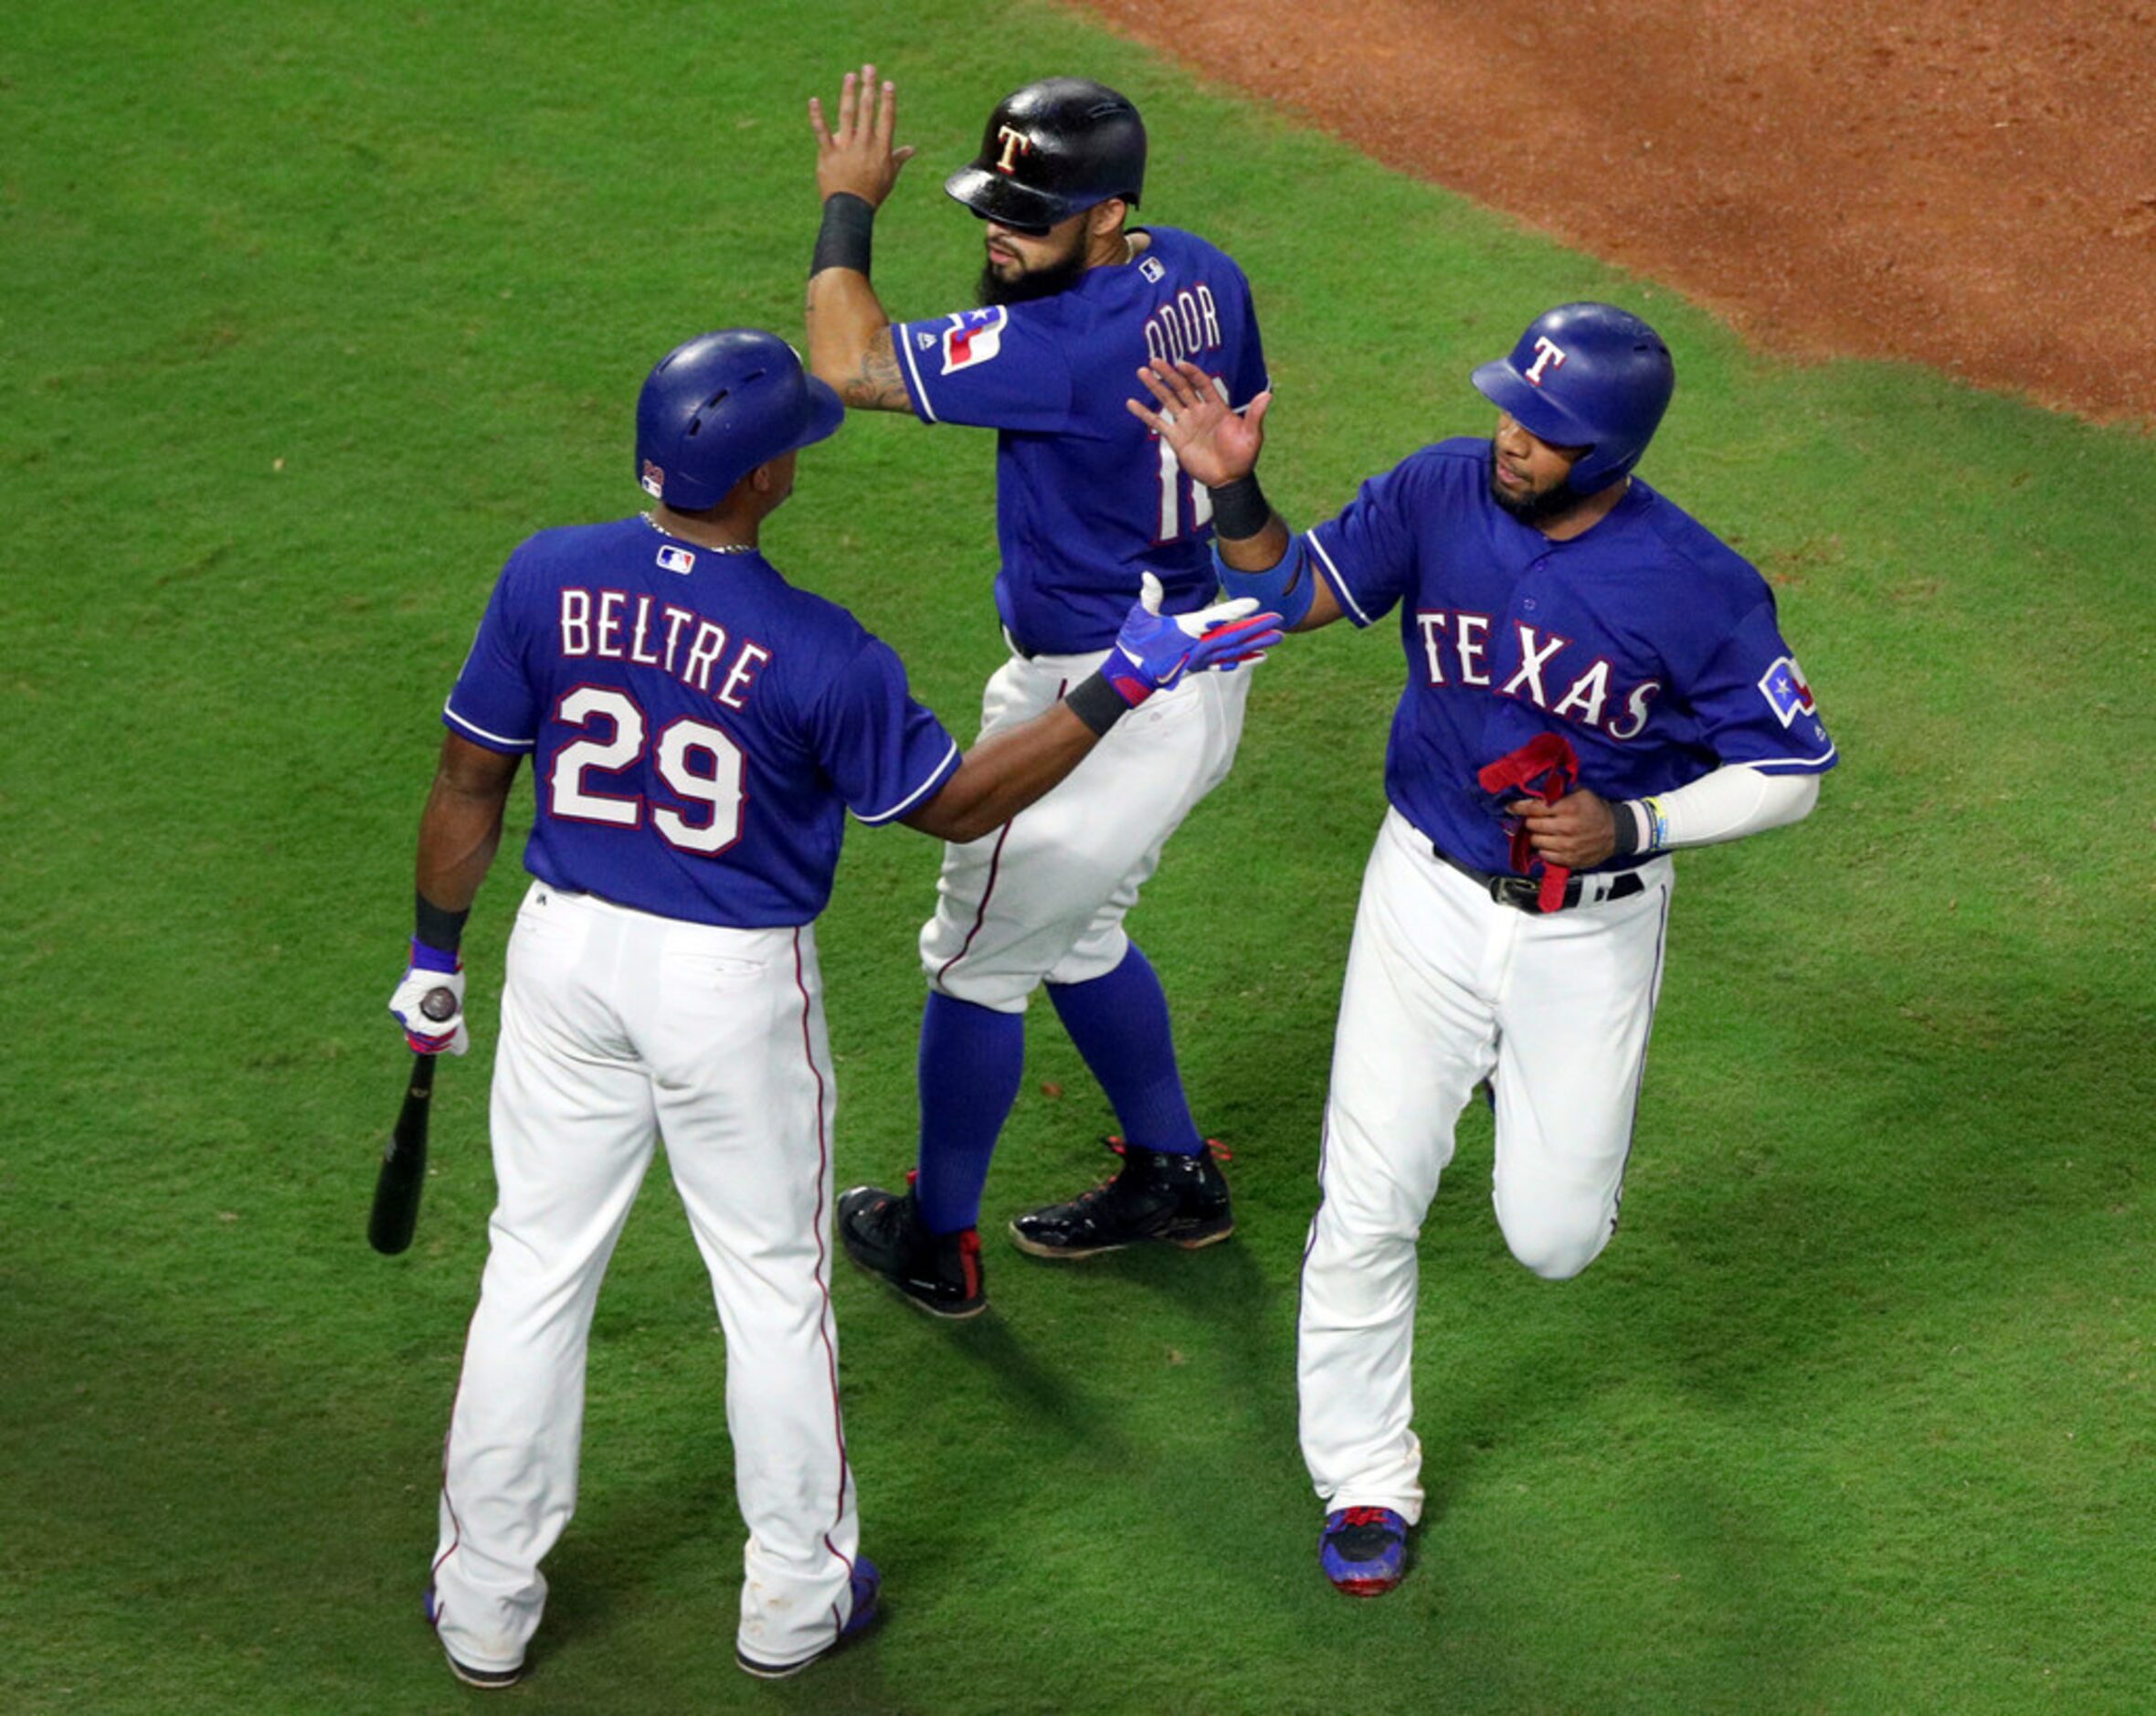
{"x":1052,"y":150}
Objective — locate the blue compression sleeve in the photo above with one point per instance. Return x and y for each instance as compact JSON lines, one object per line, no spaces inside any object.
{"x":971,"y":1063}
{"x":1287,"y":588}
{"x":1120,"y":1024}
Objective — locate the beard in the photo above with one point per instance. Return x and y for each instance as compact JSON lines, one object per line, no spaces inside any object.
{"x":1531,"y":509}
{"x":1044,"y":282}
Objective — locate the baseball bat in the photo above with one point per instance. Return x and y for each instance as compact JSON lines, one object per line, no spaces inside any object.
{"x":404,"y":1157}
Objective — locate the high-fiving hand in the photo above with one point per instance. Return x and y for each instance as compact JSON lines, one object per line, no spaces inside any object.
{"x":856,"y":155}
{"x":1214,"y":444}
{"x":1154,"y":651}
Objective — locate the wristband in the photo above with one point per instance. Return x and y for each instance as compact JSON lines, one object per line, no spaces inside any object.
{"x":434,"y":928}
{"x":1640,"y":826}
{"x":1240,"y":508}
{"x":843,"y":240}
{"x":1287,"y":587}
{"x":1096,"y":703}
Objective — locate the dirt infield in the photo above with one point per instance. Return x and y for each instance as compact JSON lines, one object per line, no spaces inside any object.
{"x":1971,"y":183}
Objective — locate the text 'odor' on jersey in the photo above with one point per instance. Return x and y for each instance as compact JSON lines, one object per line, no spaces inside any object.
{"x":1087,"y":497}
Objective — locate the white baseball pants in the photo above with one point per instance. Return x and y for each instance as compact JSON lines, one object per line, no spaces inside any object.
{"x":1445,"y":988}
{"x":1043,"y":897}
{"x":617,"y":1026}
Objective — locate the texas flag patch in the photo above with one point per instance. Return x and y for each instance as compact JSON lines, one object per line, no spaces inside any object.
{"x":677,"y":560}
{"x":973,"y":337}
{"x":1786,"y":692}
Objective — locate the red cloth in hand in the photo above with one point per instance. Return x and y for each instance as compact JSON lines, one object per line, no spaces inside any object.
{"x":1545,"y":768}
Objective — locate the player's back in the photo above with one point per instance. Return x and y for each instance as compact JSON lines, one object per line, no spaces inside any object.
{"x":1088,"y":498}
{"x":692,"y":722}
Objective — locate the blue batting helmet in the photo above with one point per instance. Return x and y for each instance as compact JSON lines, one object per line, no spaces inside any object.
{"x":1587,"y":375}
{"x":714,"y":410}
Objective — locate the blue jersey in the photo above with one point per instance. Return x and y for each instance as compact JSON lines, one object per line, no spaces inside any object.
{"x":697,"y":725}
{"x":1087,"y":497}
{"x":1646,"y":641}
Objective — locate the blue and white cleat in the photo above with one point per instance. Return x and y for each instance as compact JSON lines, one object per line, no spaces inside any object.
{"x":1364,"y":1550}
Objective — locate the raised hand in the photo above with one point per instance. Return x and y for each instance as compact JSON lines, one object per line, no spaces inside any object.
{"x":1153,"y":652}
{"x":856,"y":155}
{"x":1211,"y":442}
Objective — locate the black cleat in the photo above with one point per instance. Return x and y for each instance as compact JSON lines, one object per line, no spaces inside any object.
{"x":882,"y":1232}
{"x":486,"y":1679}
{"x":1181,"y":1200}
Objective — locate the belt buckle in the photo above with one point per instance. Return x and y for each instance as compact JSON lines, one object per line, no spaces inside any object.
{"x":1520,"y":893}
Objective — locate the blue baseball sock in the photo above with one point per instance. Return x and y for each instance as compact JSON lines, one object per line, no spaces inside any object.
{"x":971,"y":1059}
{"x":1120,"y":1024}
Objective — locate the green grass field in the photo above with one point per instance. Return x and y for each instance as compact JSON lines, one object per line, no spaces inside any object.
{"x":308,"y":314}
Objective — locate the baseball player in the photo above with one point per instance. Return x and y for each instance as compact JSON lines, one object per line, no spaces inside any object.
{"x":1593,"y":679}
{"x":1088,"y":504}
{"x":698,"y":729}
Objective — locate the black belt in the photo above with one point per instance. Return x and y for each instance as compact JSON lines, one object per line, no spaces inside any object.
{"x":1524,"y":894}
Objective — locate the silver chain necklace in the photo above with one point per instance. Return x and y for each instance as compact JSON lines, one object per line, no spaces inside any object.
{"x":709,"y":547}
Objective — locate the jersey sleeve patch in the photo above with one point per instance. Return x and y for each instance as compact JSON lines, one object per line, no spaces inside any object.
{"x":1766,"y":716}
{"x":1787,"y":692}
{"x":990,"y":368}
{"x":975,"y":336}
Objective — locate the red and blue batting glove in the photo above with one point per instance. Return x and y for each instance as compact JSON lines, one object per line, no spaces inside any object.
{"x":1153,"y":652}
{"x":430,"y":970}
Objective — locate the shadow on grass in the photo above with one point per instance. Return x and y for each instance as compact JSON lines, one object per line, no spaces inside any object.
{"x":1002,"y":1362}
{"x":219,"y":1506}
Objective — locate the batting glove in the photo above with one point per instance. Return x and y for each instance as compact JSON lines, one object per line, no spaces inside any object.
{"x":1152,"y":652}
{"x":432,"y":972}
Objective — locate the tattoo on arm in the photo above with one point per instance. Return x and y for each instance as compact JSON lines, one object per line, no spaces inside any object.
{"x":876,"y":385}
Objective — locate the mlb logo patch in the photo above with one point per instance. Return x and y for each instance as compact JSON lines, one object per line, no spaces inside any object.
{"x":1787,"y":693}
{"x":653,"y":481}
{"x":973,"y":337}
{"x":677,"y":560}
{"x":1152,"y":269}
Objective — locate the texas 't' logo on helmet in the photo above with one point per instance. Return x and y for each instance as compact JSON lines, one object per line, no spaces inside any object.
{"x":1015,"y":144}
{"x":1548,"y":355}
